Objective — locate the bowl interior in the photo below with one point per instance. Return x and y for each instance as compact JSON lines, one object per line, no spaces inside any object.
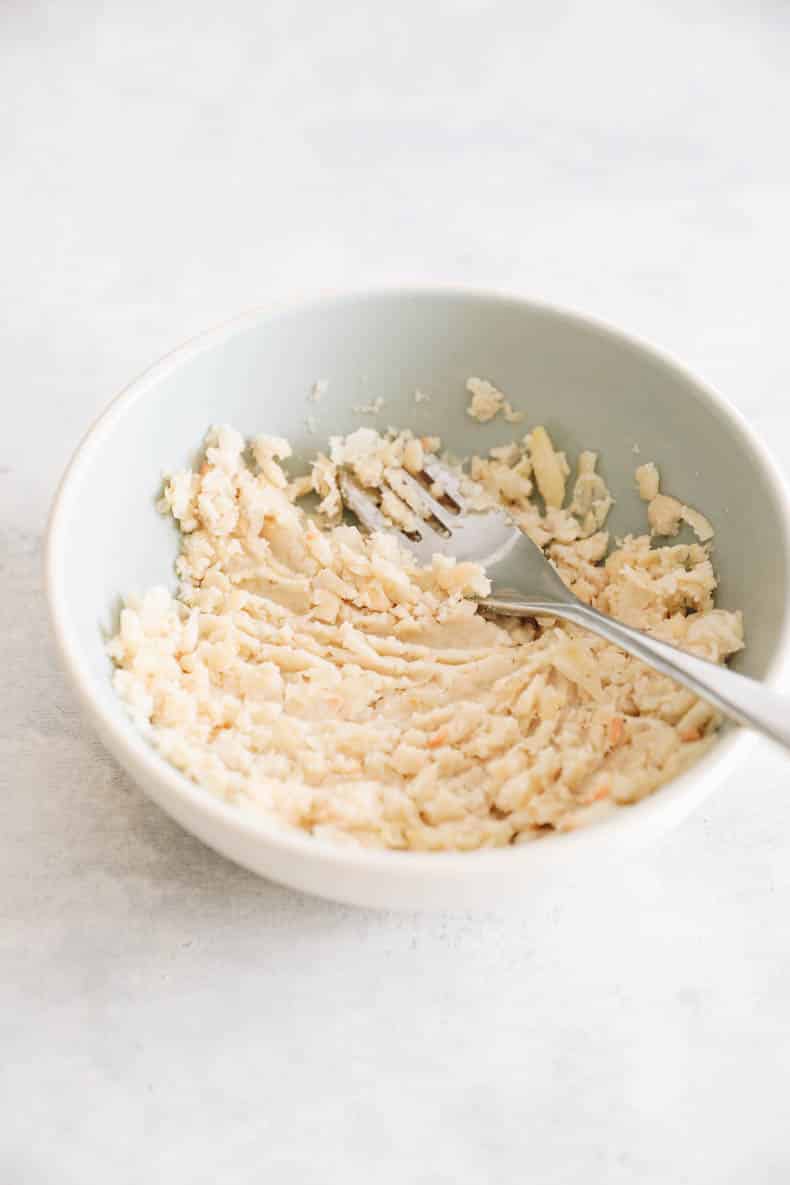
{"x":589,"y":386}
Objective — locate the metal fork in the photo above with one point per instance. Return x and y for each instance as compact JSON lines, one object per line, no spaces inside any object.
{"x":525,"y":584}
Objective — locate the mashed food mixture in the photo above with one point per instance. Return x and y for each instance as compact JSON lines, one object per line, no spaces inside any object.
{"x":322,"y":677}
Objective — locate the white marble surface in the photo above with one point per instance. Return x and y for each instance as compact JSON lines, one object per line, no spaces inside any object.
{"x":165,"y":1016}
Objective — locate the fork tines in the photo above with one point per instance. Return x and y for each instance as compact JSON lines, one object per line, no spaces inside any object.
{"x":417,"y":497}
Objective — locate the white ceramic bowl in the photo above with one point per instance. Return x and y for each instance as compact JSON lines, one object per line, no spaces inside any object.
{"x":592,"y":386}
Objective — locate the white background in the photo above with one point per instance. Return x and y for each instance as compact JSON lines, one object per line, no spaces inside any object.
{"x":164,"y":1016}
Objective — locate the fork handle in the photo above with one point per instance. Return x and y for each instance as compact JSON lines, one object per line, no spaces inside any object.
{"x":737,"y":696}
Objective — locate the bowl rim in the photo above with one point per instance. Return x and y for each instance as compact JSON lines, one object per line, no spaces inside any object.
{"x":660,"y":809}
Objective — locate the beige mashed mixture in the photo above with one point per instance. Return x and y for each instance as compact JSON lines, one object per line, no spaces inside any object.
{"x":323,"y":678}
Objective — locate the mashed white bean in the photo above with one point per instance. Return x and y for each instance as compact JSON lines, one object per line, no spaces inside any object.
{"x":322,"y":677}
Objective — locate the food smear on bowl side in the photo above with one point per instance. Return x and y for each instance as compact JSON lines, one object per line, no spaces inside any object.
{"x":324,"y":678}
